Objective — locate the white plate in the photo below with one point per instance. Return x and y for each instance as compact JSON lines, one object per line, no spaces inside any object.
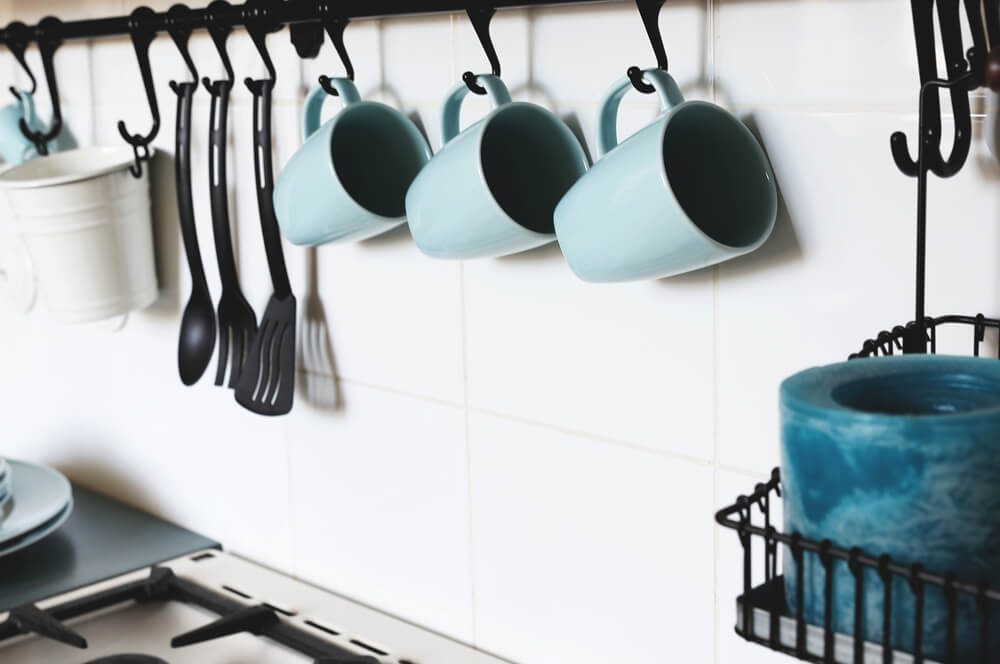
{"x":35,"y":535}
{"x":40,"y":495}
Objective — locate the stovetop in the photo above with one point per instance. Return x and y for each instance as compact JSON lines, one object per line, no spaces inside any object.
{"x":215,"y":608}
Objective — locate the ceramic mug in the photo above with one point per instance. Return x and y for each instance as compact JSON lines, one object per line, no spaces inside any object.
{"x":15,"y":148}
{"x":691,"y":189}
{"x":348,"y":180}
{"x":492,"y":189}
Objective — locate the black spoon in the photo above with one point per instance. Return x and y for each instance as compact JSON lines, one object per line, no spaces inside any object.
{"x":197,"y":336}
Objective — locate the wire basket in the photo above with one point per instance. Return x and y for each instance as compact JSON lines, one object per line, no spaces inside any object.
{"x":914,"y":338}
{"x":763,"y":616}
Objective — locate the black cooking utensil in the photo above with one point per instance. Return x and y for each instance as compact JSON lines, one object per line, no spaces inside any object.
{"x":197,"y":334}
{"x":268,"y":382}
{"x":237,"y":321}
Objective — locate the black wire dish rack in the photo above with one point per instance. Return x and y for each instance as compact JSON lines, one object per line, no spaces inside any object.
{"x":763,"y":616}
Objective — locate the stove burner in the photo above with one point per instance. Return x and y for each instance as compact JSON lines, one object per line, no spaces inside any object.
{"x":163,"y":586}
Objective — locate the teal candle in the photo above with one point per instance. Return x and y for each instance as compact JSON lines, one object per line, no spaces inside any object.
{"x":897,"y":455}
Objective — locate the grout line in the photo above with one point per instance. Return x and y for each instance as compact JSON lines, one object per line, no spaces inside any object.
{"x":715,"y":10}
{"x":468,"y":452}
{"x":715,"y":459}
{"x":470,"y":520}
{"x":546,"y":425}
{"x":595,"y":437}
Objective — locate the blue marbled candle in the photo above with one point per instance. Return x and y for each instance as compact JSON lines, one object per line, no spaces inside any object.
{"x":896,"y":455}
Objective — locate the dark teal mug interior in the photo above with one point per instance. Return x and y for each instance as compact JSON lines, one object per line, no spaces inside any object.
{"x":719,"y":174}
{"x":376,"y":156}
{"x":530,"y":159}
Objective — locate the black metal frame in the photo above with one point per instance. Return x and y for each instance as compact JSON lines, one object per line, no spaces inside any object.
{"x":740,"y":517}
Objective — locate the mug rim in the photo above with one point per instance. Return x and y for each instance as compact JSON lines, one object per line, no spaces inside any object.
{"x":664,"y":119}
{"x":481,"y":125}
{"x":412,"y":129}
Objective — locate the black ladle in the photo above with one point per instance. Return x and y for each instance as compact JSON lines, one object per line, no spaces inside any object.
{"x":196,"y":342}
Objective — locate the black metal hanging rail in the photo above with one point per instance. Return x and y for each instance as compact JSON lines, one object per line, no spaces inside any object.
{"x":750,"y":516}
{"x":289,"y":12}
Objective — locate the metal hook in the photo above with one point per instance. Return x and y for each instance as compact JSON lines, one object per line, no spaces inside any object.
{"x":335,"y":26}
{"x":259,"y":24}
{"x":18,"y":38}
{"x":481,"y":18}
{"x":930,"y":108}
{"x":649,"y":10}
{"x":219,"y":31}
{"x":142,"y":36}
{"x":180,"y":31}
{"x":49,"y":40}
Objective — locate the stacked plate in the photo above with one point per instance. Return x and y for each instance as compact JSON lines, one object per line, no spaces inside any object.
{"x":34,"y":501}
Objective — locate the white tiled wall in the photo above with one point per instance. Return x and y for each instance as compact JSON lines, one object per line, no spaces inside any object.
{"x":517,"y":459}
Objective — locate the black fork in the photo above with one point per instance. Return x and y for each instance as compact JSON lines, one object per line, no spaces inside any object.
{"x":237,"y":321}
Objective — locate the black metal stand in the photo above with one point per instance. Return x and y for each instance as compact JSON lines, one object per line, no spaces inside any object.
{"x":750,"y":516}
{"x":966,"y":71}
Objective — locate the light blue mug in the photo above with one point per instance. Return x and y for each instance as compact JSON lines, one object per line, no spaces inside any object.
{"x":348,"y":181}
{"x":692,"y":189}
{"x":15,"y":148}
{"x":492,"y":189}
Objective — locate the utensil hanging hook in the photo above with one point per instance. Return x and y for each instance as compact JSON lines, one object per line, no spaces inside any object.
{"x":180,"y":31}
{"x":142,"y":36}
{"x":649,"y":10}
{"x":219,"y":31}
{"x":49,"y":40}
{"x":481,"y":18}
{"x":930,"y":107}
{"x":18,"y":38}
{"x":259,"y":24}
{"x":335,"y":26}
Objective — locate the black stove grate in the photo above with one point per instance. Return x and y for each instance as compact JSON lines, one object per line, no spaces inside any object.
{"x":162,"y":585}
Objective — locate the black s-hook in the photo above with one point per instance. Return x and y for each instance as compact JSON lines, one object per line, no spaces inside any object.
{"x":335,"y":26}
{"x":18,"y":38}
{"x":960,"y":82}
{"x":649,"y":10}
{"x":49,"y":40}
{"x":481,"y":18}
{"x":140,"y":27}
{"x":259,"y":24}
{"x":180,"y":31}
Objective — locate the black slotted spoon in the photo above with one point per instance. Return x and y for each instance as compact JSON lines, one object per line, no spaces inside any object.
{"x":267,"y":385}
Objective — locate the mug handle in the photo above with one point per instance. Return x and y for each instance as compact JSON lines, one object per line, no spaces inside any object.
{"x":312,"y":111}
{"x":31,"y":119}
{"x":607,"y":134}
{"x":495,"y":89}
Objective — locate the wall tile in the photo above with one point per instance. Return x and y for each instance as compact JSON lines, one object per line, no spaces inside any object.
{"x":576,"y":73}
{"x":379,"y":505}
{"x":576,"y":554}
{"x":631,"y":362}
{"x":417,"y":55}
{"x":203,"y":470}
{"x":823,"y":57}
{"x":840,"y":265}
